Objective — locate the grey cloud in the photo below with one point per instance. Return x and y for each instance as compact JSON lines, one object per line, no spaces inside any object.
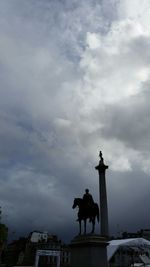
{"x":129,"y":121}
{"x":127,"y":197}
{"x":62,"y":22}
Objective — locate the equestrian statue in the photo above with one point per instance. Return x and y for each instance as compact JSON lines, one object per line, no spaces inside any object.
{"x":88,"y":209}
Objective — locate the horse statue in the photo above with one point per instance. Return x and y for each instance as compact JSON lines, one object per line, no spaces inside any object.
{"x":85,"y":213}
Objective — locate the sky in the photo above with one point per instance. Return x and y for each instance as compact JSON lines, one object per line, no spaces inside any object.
{"x":75,"y":79}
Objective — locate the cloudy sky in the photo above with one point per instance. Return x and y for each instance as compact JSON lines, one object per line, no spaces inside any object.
{"x":75,"y":78}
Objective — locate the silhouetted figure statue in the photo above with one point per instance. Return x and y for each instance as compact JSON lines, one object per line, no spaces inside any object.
{"x":87,"y":210}
{"x":101,"y":162}
{"x":88,"y":200}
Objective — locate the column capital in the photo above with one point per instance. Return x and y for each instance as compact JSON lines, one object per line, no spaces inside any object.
{"x":101,"y":167}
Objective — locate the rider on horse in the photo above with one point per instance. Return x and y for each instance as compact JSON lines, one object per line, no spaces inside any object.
{"x":88,"y":200}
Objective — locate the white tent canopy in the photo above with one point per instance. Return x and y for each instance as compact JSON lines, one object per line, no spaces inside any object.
{"x":130,"y":242}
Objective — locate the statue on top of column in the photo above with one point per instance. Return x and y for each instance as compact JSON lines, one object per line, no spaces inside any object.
{"x":101,"y":162}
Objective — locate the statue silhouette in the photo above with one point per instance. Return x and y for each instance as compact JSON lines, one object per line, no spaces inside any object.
{"x":88,"y":200}
{"x":101,"y":158}
{"x":87,"y":210}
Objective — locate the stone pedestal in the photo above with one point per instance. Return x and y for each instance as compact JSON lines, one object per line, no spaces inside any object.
{"x":89,"y":251}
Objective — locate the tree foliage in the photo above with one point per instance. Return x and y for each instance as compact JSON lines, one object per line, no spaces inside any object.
{"x":3,"y":233}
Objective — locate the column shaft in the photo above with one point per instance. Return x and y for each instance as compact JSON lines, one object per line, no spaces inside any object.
{"x":103,"y":204}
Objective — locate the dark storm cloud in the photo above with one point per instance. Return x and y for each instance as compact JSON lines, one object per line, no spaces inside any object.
{"x":128,"y":197}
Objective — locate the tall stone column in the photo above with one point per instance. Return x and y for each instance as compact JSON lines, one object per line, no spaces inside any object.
{"x":103,"y":197}
{"x":91,"y":250}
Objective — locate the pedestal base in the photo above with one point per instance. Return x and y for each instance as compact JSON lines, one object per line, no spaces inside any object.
{"x":89,"y":251}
